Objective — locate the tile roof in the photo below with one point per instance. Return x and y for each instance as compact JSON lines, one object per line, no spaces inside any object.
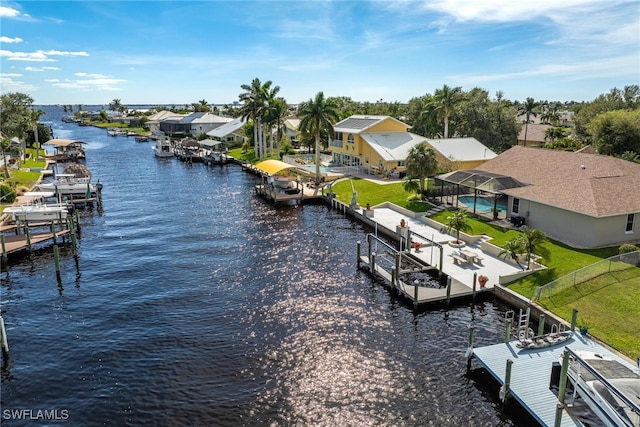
{"x":588,"y":183}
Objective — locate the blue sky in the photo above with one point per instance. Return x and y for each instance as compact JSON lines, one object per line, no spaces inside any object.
{"x":179,"y":52}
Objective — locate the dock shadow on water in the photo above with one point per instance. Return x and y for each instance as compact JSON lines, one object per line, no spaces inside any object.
{"x":194,"y":302}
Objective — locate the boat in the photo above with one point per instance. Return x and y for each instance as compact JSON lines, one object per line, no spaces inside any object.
{"x":543,"y":341}
{"x":37,"y":210}
{"x":65,"y":184}
{"x":162,"y":148}
{"x":610,"y":388}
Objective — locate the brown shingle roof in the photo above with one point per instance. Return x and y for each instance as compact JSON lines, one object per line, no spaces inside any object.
{"x":592,"y":184}
{"x":535,"y":132}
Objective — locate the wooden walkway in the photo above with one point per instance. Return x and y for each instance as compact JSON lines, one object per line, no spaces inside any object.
{"x":19,"y":242}
{"x":531,"y":374}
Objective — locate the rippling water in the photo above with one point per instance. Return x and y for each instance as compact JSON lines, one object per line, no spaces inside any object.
{"x":195,"y":303}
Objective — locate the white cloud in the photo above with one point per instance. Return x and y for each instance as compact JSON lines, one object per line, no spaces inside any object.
{"x":38,"y":56}
{"x":8,"y":12}
{"x":10,"y":85}
{"x":39,"y":69}
{"x":579,"y":71}
{"x":95,"y":76}
{"x":4,"y":39}
{"x":11,"y":75}
{"x":93,"y":82}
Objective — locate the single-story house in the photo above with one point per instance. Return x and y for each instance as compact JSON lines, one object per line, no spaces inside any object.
{"x":207,"y":122}
{"x":153,"y":121}
{"x":585,"y":200}
{"x":230,"y":132}
{"x":460,"y":153}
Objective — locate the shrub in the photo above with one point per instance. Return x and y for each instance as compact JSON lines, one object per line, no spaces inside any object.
{"x":7,"y":194}
{"x":627,"y":247}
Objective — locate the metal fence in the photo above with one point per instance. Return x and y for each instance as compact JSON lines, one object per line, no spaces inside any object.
{"x":605,"y":270}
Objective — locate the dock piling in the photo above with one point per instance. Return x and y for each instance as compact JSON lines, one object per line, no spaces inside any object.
{"x":448,"y":290}
{"x":358,"y":250}
{"x":541,"y":325}
{"x":56,"y":259}
{"x":574,"y":318}
{"x":27,"y":234}
{"x":4,"y":249}
{"x":469,"y":352}
{"x":504,"y":390}
{"x":507,"y":331}
{"x":3,"y":339}
{"x":473,"y":288}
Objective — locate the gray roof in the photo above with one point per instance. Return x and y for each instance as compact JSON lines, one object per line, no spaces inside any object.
{"x":461,"y":149}
{"x":392,"y":146}
{"x":359,"y":123}
{"x":227,"y":128}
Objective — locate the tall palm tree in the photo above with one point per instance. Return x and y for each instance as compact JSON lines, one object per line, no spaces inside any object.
{"x":532,"y":238}
{"x":421,"y":163}
{"x":251,"y":98}
{"x":317,"y":115}
{"x":278,"y":110}
{"x":269,"y":95}
{"x":527,"y":110}
{"x":446,"y":99}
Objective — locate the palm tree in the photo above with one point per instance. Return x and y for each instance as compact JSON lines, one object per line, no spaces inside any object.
{"x":528,"y":109}
{"x":317,"y":115}
{"x":532,"y":238}
{"x":421,"y":163}
{"x":5,"y":143}
{"x":278,"y":110}
{"x":446,"y":99}
{"x":251,"y":104}
{"x":512,"y":249}
{"x":459,"y":221}
{"x":410,"y":185}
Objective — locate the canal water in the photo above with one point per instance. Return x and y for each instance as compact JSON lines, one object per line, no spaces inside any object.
{"x":195,"y":303}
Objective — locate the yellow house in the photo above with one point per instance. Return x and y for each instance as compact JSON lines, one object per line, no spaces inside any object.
{"x":379,"y":145}
{"x":373,"y":144}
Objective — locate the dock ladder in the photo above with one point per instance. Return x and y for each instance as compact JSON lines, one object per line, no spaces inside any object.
{"x":524,"y":332}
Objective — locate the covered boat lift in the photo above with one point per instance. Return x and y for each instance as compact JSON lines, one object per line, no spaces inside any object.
{"x":67,"y":149}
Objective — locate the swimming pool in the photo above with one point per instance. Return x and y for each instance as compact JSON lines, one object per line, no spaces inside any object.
{"x":482,"y":204}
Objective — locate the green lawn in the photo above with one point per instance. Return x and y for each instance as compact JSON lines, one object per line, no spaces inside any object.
{"x":374,"y":194}
{"x":608,"y":305}
{"x":609,"y":302}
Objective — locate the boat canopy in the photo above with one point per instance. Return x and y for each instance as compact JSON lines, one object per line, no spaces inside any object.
{"x":209,"y":142}
{"x":272,"y":167}
{"x":63,"y":142}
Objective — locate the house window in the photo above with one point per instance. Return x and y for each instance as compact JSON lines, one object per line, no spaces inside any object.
{"x":516,"y":205}
{"x":630,"y":219}
{"x":400,"y":163}
{"x":338,"y":136}
{"x":350,"y":139}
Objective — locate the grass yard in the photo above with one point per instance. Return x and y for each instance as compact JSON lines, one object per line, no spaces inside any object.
{"x":374,"y":194}
{"x":609,"y":302}
{"x":608,"y":305}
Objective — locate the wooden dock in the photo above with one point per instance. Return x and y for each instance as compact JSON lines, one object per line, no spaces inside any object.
{"x":421,"y":294}
{"x":278,"y":197}
{"x":531,"y":374}
{"x":17,"y":238}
